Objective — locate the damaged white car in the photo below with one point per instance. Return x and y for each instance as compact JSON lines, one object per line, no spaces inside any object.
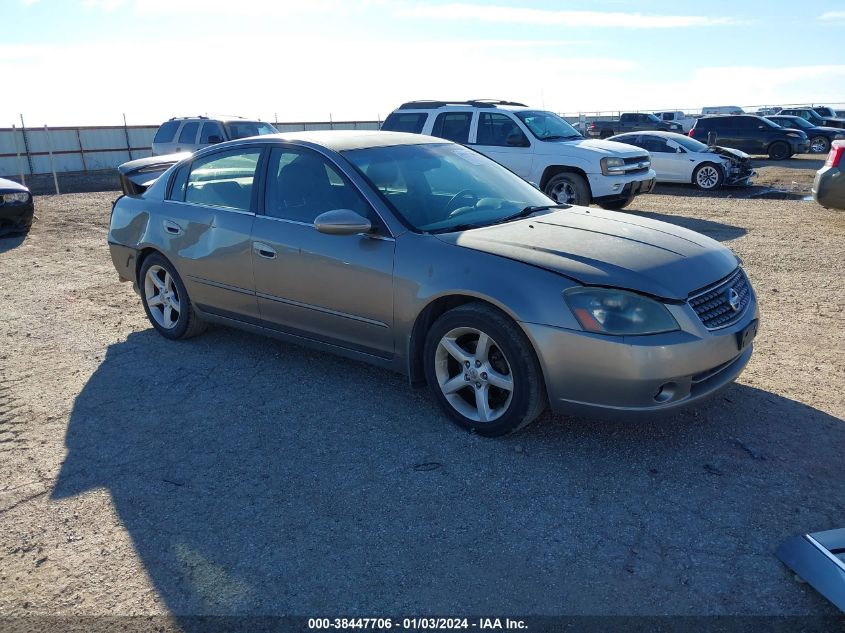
{"x":680,"y":159}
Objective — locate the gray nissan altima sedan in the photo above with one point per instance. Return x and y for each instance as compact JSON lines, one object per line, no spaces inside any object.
{"x":428,"y":258}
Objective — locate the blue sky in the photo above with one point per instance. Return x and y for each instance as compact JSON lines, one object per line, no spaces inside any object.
{"x":89,"y":61}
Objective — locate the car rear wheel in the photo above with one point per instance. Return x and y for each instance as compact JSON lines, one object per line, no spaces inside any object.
{"x":819,"y":145}
{"x":708,"y":176}
{"x":779,"y":150}
{"x":482,"y":370}
{"x":166,"y":300}
{"x":568,"y":188}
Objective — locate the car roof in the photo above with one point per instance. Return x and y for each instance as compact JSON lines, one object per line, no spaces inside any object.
{"x":659,"y":133}
{"x":225,"y":118}
{"x":471,"y":104}
{"x":342,"y":140}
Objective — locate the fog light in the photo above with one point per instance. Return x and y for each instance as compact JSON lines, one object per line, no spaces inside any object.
{"x":617,"y":186}
{"x":665,"y":392}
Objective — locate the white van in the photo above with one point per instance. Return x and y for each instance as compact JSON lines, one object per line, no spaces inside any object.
{"x":722,"y":110}
{"x":537,"y":145}
{"x":188,"y":134}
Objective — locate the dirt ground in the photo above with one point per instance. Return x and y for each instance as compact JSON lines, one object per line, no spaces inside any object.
{"x":232,"y":474}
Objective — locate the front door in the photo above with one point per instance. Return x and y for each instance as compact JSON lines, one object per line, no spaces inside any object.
{"x":334,"y":288}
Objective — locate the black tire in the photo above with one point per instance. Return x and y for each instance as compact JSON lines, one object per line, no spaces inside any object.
{"x":779,"y":150}
{"x":187,"y":324}
{"x":616,"y":205}
{"x":509,"y":345}
{"x":708,"y":176}
{"x":821,"y":145}
{"x":568,"y":188}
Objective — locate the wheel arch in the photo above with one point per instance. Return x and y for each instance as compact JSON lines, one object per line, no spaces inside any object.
{"x":426,"y":318}
{"x":143,"y":253}
{"x":720,"y":166}
{"x":553,"y":170}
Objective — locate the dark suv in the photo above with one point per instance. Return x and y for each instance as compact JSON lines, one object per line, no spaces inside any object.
{"x":751,"y":134}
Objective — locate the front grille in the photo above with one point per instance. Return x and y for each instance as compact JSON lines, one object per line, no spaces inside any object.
{"x":637,"y":164}
{"x":713,"y":304}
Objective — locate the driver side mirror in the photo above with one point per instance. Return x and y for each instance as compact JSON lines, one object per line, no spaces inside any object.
{"x":214,"y":139}
{"x":516,"y":139}
{"x":342,"y":222}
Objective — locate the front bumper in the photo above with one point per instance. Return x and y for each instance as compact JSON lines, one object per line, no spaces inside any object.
{"x":829,"y":188}
{"x":640,"y":376}
{"x":16,"y":218}
{"x":644,"y":184}
{"x":801,"y":147}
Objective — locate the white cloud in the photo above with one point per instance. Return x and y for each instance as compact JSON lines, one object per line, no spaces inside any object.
{"x":833,"y":16}
{"x":543,"y":17}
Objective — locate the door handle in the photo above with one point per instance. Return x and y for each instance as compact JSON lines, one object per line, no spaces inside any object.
{"x":172,"y":228}
{"x":264,"y":250}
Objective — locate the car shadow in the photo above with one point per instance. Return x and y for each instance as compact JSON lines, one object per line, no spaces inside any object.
{"x":10,"y":241}
{"x":715,"y":230}
{"x":810,"y":162}
{"x":259,"y":478}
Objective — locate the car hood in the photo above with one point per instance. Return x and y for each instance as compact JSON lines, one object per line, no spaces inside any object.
{"x":728,"y":152}
{"x":607,"y":148}
{"x":606,"y":248}
{"x":11,"y":186}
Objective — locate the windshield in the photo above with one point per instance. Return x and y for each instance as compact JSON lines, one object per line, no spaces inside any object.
{"x":443,"y":187}
{"x":243,"y":129}
{"x":689,"y":144}
{"x":797,"y":122}
{"x":547,"y":126}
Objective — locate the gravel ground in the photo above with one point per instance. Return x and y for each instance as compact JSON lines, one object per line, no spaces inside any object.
{"x":232,"y":474}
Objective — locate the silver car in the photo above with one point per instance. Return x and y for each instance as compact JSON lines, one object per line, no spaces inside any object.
{"x":428,"y":258}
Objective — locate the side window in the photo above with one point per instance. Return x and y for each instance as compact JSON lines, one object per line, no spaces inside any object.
{"x":209,"y":129}
{"x":635,"y":140}
{"x":453,"y":126}
{"x":302,"y":184}
{"x":189,"y":133}
{"x":224,"y":179}
{"x":627,"y":118}
{"x":166,"y":132}
{"x":499,"y":130}
{"x":405,"y":122}
{"x":656,"y":144}
{"x":180,"y":181}
{"x":744,"y":123}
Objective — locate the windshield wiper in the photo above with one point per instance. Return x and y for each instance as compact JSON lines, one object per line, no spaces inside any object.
{"x":560,"y":137}
{"x":522,"y":213}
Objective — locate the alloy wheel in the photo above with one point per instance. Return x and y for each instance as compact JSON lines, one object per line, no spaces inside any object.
{"x":707,"y":177}
{"x":818,"y":145}
{"x":564,"y":192}
{"x":162,"y":297}
{"x":473,"y":374}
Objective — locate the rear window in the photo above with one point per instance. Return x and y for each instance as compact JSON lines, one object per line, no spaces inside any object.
{"x":405,"y":122}
{"x":166,"y":132}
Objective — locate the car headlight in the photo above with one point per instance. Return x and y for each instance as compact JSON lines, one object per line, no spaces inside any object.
{"x":612,"y":165}
{"x":794,"y":134}
{"x":20,"y":196}
{"x":618,"y":312}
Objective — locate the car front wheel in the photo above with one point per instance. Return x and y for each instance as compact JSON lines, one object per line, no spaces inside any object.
{"x":568,"y":188}
{"x":166,"y":300}
{"x":819,"y":145}
{"x":707,"y":176}
{"x":482,"y":370}
{"x":779,"y":150}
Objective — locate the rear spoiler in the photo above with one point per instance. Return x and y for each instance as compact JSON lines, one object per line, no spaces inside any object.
{"x":136,"y":176}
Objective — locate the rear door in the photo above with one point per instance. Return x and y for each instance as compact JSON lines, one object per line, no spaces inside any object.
{"x":208,"y":224}
{"x":499,"y":136}
{"x":334,"y":288}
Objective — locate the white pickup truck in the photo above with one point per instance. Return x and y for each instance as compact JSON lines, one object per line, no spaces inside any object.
{"x":537,"y":145}
{"x":676,"y":116}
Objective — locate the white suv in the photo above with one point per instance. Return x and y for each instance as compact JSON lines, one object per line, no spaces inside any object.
{"x":188,"y":134}
{"x":537,"y":145}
